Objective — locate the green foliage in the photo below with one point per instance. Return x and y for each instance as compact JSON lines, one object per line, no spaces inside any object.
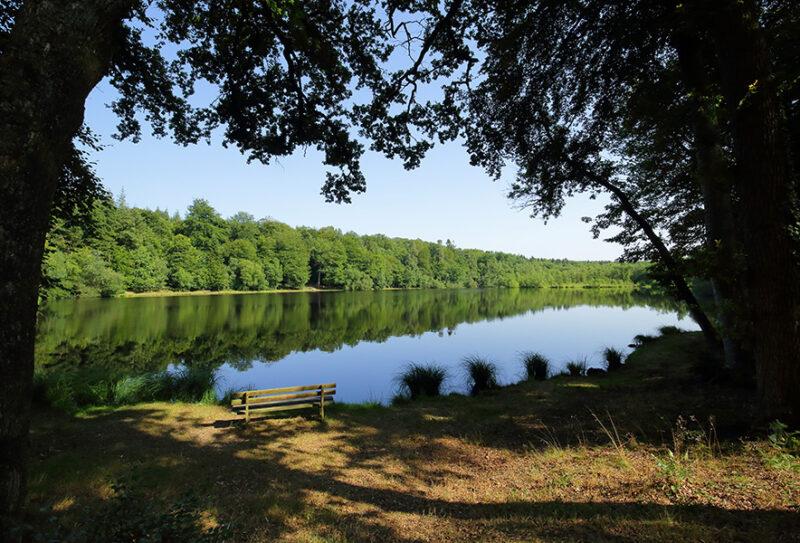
{"x":133,"y":517}
{"x":97,"y":386}
{"x":641,"y":339}
{"x":785,"y":447}
{"x":246,"y":275}
{"x":674,"y":470}
{"x":577,"y":367}
{"x":147,"y":251}
{"x":149,"y":270}
{"x":481,"y":374}
{"x":537,"y":366}
{"x":215,"y":275}
{"x":81,"y":273}
{"x":612,"y":358}
{"x":422,"y":380}
{"x":669,"y":330}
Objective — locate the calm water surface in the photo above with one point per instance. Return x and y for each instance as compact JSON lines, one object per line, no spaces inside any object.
{"x":359,"y":340}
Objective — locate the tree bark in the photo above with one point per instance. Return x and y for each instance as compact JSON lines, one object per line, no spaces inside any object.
{"x":765,"y":180}
{"x":716,"y":184}
{"x":56,"y":54}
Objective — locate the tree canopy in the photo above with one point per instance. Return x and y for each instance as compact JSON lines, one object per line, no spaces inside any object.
{"x":686,"y":114}
{"x":123,"y":248}
{"x":681,"y":113}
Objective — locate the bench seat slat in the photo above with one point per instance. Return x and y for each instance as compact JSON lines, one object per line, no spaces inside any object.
{"x":302,"y":402}
{"x":293,"y":406}
{"x":282,"y":390}
{"x":274,"y":398}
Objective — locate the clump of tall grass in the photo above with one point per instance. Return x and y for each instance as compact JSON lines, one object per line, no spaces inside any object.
{"x":132,"y":390}
{"x":612,"y":358}
{"x":481,"y":374}
{"x":78,"y":389}
{"x":537,"y":366}
{"x":422,"y":380}
{"x":192,"y":385}
{"x":577,"y":367}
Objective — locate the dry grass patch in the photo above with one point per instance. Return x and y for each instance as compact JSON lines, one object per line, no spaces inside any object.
{"x":527,"y":463}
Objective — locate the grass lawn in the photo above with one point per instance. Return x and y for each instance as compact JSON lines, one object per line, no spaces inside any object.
{"x":628,"y":457}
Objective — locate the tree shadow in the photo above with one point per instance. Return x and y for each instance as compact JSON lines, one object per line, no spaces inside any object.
{"x":364,"y":478}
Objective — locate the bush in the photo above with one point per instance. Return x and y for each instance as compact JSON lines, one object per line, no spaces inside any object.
{"x":641,"y":339}
{"x":669,"y":330}
{"x":537,"y":366}
{"x":481,"y":374}
{"x":418,"y":379}
{"x":577,"y":367}
{"x":612,"y":358}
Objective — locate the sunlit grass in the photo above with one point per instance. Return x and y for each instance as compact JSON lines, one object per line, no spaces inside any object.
{"x":527,"y":463}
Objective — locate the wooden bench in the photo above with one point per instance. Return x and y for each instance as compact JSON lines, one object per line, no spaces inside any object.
{"x":280,"y":399}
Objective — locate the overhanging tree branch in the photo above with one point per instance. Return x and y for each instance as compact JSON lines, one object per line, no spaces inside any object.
{"x":682,"y":288}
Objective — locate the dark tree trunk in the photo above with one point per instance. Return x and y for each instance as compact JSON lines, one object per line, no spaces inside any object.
{"x":766,"y":183}
{"x":716,"y":184}
{"x":679,"y":283}
{"x":57,"y":52}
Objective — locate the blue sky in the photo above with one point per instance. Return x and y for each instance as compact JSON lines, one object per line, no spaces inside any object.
{"x":445,"y":198}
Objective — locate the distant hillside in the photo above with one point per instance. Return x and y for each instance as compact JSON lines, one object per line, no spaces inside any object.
{"x":124,"y":248}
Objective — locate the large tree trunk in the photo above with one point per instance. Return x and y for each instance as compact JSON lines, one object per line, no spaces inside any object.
{"x":765,"y":181}
{"x":57,"y":52}
{"x":716,"y":184}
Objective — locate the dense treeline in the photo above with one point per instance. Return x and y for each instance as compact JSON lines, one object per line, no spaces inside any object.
{"x":125,"y":248}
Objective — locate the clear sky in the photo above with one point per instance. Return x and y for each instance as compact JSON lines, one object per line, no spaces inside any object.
{"x":444,"y":199}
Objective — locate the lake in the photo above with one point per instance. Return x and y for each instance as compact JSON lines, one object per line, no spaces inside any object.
{"x":360,"y":340}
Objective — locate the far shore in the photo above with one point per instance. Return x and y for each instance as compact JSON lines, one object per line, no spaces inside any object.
{"x":163,"y":293}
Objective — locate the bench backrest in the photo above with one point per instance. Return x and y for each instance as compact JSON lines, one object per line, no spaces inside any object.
{"x":278,"y":399}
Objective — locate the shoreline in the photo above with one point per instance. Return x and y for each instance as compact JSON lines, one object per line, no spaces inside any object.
{"x":170,"y":293}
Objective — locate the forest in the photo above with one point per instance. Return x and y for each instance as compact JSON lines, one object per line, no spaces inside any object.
{"x":684,"y":116}
{"x":121,"y":248}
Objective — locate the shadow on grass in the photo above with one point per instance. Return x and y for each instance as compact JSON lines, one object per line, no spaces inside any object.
{"x":417,"y":472}
{"x":259,"y":471}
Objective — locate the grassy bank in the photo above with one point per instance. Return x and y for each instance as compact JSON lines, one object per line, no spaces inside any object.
{"x":166,"y":293}
{"x":650,"y":452}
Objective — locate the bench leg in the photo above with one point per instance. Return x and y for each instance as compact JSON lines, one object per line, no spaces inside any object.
{"x":247,"y":414}
{"x":322,"y":405}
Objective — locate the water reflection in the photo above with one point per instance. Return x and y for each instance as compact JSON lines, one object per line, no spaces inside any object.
{"x":136,"y":335}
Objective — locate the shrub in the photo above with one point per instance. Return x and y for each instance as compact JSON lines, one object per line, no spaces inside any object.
{"x":419,"y":379}
{"x":537,"y":366}
{"x":641,"y":339}
{"x":577,"y":367}
{"x":669,"y":330}
{"x":481,"y":374}
{"x":612,"y":358}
